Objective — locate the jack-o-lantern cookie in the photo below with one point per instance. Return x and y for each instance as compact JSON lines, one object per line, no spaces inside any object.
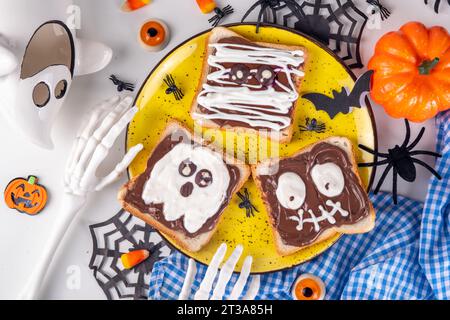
{"x":185,"y":188}
{"x":26,"y":195}
{"x":314,"y":194}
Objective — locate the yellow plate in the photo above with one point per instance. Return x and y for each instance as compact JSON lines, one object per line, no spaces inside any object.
{"x":324,"y":73}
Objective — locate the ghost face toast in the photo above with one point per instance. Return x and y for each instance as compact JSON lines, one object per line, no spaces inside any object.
{"x":184,"y":189}
{"x":314,"y":194}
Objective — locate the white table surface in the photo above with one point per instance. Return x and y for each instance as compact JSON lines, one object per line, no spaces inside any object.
{"x":22,"y":237}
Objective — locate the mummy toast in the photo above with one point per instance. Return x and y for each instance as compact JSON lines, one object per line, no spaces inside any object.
{"x":184,"y":189}
{"x":314,"y":194}
{"x":248,"y":86}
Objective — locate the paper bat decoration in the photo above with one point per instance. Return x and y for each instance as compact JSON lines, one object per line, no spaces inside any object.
{"x":343,"y":101}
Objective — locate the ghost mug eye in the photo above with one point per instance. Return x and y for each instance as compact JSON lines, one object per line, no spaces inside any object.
{"x":61,"y":89}
{"x":41,"y":95}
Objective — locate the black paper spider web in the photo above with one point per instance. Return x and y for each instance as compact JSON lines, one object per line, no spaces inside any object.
{"x":339,"y":24}
{"x":121,"y":234}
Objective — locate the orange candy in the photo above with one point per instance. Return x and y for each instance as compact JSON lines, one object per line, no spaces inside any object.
{"x":153,"y":35}
{"x":206,"y":6}
{"x":133,"y":258}
{"x":131,"y":5}
{"x":308,"y":287}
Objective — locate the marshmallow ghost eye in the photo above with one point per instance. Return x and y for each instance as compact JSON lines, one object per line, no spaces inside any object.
{"x":328,"y":178}
{"x":291,"y":191}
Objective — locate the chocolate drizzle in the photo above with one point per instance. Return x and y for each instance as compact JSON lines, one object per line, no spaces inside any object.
{"x":134,"y":195}
{"x":353,"y":198}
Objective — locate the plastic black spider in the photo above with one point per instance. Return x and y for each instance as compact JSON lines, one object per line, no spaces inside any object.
{"x":172,"y":87}
{"x":437,"y":4}
{"x":401,"y":159}
{"x":313,"y":125}
{"x":274,"y":6}
{"x":121,"y":85}
{"x":384,"y":12}
{"x":246,"y":204}
{"x":220,"y":14}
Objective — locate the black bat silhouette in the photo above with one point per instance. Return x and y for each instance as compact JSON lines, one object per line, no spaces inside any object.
{"x":343,"y":101}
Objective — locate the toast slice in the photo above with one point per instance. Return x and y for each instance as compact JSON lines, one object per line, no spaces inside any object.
{"x":185,"y":188}
{"x":314,"y":195}
{"x":251,"y":94}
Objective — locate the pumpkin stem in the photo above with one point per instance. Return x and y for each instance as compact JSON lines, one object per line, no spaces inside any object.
{"x":32,"y":180}
{"x":426,"y":66}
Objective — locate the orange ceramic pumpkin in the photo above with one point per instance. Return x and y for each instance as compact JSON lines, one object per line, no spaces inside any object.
{"x":26,"y":196}
{"x":412,"y":72}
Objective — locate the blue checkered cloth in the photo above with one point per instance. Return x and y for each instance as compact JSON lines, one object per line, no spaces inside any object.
{"x":406,"y":256}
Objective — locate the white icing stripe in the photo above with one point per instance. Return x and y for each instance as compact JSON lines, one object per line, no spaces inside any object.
{"x":241,"y":103}
{"x":326,"y":215}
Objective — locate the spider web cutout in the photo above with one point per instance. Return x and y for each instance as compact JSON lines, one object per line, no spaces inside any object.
{"x":339,"y":24}
{"x":114,"y":237}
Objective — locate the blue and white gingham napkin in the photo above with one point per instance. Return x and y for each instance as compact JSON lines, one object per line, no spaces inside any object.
{"x":407,"y":255}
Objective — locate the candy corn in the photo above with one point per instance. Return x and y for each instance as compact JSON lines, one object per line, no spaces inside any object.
{"x":133,"y":258}
{"x":131,"y":5}
{"x":206,"y":6}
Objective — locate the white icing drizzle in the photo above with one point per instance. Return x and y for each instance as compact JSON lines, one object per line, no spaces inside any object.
{"x":241,"y":103}
{"x":165,"y":183}
{"x":325,"y":215}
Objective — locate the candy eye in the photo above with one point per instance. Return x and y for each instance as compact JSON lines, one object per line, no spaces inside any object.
{"x":291,"y":191}
{"x":265,"y":75}
{"x":187,"y":168}
{"x":308,"y":287}
{"x":204,"y":178}
{"x":239,"y":73}
{"x":328,"y":179}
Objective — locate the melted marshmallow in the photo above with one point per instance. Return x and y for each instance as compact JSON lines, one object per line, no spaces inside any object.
{"x":165,"y":183}
{"x":240,"y":103}
{"x":291,"y":191}
{"x":328,"y":179}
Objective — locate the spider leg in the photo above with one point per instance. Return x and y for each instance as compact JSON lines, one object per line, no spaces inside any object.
{"x":373,"y":164}
{"x":254,"y":208}
{"x":383,"y":176}
{"x":246,"y":193}
{"x":428,"y":153}
{"x":436,"y":6}
{"x":416,"y":141}
{"x":260,"y":15}
{"x":375,"y":153}
{"x":274,"y":16}
{"x":253,"y":7}
{"x":394,"y":185}
{"x":240,"y":195}
{"x":408,"y":134}
{"x":423,"y":164}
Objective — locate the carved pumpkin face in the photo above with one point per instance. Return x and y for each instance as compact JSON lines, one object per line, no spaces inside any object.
{"x":26,"y":195}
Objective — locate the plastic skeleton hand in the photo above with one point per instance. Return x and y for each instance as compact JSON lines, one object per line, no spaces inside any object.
{"x":93,"y":143}
{"x":95,"y":139}
{"x":224,"y":278}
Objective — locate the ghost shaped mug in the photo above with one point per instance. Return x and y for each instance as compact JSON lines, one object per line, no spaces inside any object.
{"x":39,"y":57}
